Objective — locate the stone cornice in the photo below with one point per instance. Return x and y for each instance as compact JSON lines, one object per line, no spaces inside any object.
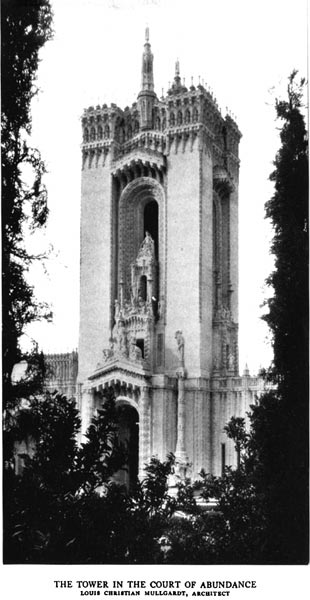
{"x":123,"y":367}
{"x":236,"y":383}
{"x":146,"y":156}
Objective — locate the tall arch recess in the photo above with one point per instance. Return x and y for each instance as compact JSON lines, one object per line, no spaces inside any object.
{"x":128,"y":418}
{"x":217,"y":251}
{"x":141,"y":201}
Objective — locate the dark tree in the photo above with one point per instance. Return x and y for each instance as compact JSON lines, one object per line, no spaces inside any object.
{"x":65,"y":507}
{"x":52,"y":507}
{"x":25,"y":27}
{"x":287,"y":314}
{"x":287,"y":318}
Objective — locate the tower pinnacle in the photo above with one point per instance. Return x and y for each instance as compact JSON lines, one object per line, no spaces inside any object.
{"x":147,"y":82}
{"x":177,"y":85}
{"x":147,"y":95}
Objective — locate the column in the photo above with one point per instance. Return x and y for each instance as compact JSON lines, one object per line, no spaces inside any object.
{"x":180,"y":452}
{"x":87,"y":410}
{"x":181,"y":459}
{"x":144,"y":430}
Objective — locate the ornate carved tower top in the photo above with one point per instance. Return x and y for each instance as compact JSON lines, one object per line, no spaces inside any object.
{"x":147,"y":95}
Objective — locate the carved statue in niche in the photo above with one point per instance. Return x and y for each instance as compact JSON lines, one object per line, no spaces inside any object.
{"x":180,"y":346}
{"x":231,"y":361}
{"x":216,"y":363}
{"x":121,"y":338}
{"x":141,"y":300}
{"x":147,"y":247}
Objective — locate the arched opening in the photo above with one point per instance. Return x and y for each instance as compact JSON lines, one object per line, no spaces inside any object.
{"x":140,"y":211}
{"x":128,"y":419}
{"x":143,"y":288}
{"x":151,"y":222}
{"x":140,"y":344}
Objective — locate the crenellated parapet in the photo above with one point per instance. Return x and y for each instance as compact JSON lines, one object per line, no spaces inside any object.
{"x":180,"y":115}
{"x":61,"y":372}
{"x":154,"y":125}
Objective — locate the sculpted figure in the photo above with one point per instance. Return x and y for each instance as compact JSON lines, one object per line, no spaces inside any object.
{"x":216,"y":363}
{"x":148,"y":241}
{"x":231,"y":361}
{"x":147,"y":247}
{"x":132,"y":348}
{"x":180,"y":346}
{"x":141,"y":300}
{"x":121,"y":338}
{"x":106,"y":353}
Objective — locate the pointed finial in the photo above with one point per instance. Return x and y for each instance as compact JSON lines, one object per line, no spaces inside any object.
{"x":147,"y":34}
{"x":246,"y":372}
{"x":177,"y":68}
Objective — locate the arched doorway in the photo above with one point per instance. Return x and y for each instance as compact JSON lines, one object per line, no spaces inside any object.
{"x":128,"y":419}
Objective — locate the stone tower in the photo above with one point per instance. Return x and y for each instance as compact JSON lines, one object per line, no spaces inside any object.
{"x":159,"y":273}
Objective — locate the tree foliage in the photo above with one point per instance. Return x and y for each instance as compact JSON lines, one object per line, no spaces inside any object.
{"x":65,"y":505}
{"x":44,"y":506}
{"x":25,"y":27}
{"x":287,"y":316}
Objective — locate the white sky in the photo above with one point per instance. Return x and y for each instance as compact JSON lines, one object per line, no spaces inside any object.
{"x":242,"y":49}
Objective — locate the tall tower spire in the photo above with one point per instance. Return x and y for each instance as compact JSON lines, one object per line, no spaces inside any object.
{"x":147,"y":82}
{"x":147,"y":95}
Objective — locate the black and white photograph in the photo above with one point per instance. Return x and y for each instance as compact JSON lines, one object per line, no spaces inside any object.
{"x":155,"y":298}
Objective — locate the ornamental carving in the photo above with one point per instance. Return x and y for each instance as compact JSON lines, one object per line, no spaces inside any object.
{"x":222,"y":313}
{"x":222,"y":180}
{"x":134,"y":314}
{"x":180,"y":346}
